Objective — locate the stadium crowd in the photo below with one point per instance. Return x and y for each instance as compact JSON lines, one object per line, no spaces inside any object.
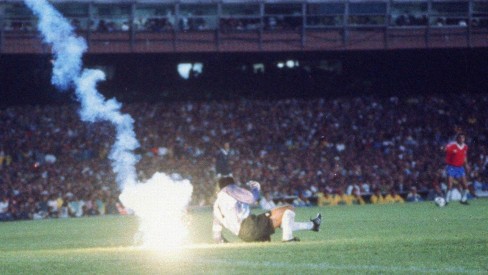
{"x":54,"y":165}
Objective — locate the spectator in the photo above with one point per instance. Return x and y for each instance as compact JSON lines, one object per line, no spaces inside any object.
{"x":377,"y":197}
{"x":393,"y":197}
{"x":357,"y":198}
{"x":91,"y":207}
{"x":111,"y":208}
{"x":413,"y":196}
{"x":266,"y":202}
{"x":341,"y":198}
{"x":64,"y":210}
{"x":5,"y":215}
{"x":42,"y":207}
{"x":76,"y":207}
{"x":301,"y":201}
{"x":324,"y":199}
{"x":222,"y":165}
{"x":52,"y":204}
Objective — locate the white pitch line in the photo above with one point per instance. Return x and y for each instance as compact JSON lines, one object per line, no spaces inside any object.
{"x":327,"y":266}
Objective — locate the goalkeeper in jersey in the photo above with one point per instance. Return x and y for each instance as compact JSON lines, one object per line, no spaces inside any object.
{"x":232,"y":210}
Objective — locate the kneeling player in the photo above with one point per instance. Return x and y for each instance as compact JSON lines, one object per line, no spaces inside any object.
{"x":232,"y":211}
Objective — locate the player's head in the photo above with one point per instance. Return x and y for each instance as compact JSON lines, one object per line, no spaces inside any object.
{"x":224,"y":181}
{"x":460,"y":138}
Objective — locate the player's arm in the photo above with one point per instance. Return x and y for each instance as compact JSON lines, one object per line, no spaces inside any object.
{"x":255,"y":189}
{"x":445,"y":147}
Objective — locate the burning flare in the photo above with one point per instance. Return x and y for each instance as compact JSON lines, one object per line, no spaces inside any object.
{"x":160,"y":203}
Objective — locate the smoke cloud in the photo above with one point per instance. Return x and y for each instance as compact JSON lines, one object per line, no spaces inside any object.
{"x":154,"y":211}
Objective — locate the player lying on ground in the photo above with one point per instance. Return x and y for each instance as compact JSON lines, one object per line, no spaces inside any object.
{"x":232,"y":211}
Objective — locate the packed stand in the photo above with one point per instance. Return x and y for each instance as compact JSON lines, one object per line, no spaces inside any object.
{"x":301,"y":150}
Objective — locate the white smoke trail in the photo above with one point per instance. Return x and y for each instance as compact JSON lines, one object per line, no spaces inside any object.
{"x":155,"y":212}
{"x":66,"y":47}
{"x":68,"y":50}
{"x":94,"y":107}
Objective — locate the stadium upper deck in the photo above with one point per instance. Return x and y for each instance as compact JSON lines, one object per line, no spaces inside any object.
{"x":132,"y":26}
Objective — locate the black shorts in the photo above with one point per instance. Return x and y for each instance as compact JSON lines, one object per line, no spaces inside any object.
{"x":257,"y":228}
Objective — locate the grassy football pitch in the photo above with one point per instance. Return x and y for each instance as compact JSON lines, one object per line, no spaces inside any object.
{"x":374,"y":239}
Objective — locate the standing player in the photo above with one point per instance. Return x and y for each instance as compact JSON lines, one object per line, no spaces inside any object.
{"x":222,"y":166}
{"x":232,"y":211}
{"x":457,"y":165}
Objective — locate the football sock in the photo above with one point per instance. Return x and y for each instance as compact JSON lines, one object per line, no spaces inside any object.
{"x":448,"y":196}
{"x":288,"y":225}
{"x":465,"y":195}
{"x":302,"y":226}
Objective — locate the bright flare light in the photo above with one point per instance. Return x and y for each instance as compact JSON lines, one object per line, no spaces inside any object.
{"x":160,"y":203}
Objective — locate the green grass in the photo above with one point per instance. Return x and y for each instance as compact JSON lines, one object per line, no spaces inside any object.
{"x":371,"y":239}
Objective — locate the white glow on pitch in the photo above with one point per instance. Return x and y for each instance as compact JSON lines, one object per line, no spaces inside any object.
{"x":160,"y":204}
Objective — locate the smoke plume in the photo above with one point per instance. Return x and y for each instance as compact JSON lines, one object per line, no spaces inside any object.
{"x":68,"y":73}
{"x":68,"y":50}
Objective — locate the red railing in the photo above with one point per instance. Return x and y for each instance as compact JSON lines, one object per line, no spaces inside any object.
{"x":333,"y":39}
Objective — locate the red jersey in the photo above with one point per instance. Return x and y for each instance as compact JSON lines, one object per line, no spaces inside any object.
{"x":456,"y":154}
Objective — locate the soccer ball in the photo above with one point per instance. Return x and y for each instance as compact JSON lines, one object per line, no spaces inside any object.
{"x":440,"y":201}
